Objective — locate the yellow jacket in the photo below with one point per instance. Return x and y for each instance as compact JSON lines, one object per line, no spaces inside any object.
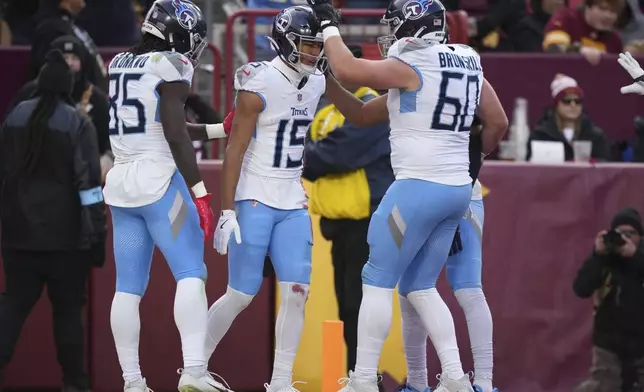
{"x":339,"y":196}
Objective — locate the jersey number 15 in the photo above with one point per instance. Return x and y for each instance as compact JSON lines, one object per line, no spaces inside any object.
{"x":121,"y":100}
{"x":293,"y":126}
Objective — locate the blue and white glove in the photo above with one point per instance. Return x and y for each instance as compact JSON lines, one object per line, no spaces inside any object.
{"x":226,"y":226}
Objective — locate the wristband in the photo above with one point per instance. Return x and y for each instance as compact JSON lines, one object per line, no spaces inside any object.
{"x":199,"y":190}
{"x":215,"y":131}
{"x":329,"y":32}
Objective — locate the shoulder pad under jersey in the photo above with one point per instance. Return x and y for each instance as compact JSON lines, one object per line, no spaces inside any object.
{"x":172,"y":67}
{"x":251,"y":77}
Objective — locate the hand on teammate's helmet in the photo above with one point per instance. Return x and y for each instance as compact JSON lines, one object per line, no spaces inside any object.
{"x":327,"y":15}
{"x":457,"y":245}
{"x":228,"y":122}
{"x":226,"y":226}
{"x":635,"y":71}
{"x":206,"y":216}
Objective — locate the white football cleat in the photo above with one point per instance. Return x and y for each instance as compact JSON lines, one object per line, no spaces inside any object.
{"x":204,"y":383}
{"x":136,"y":386}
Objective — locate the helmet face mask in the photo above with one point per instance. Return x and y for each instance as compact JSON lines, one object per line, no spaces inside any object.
{"x":424,"y":19}
{"x":296,"y":39}
{"x":181,"y":24}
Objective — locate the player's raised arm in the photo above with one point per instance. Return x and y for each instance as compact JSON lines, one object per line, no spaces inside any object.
{"x":358,"y":113}
{"x":380,"y":74}
{"x":493,"y":117}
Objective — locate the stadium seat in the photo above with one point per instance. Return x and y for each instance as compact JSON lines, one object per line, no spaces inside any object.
{"x":474,"y":7}
{"x":370,"y":51}
{"x":457,"y":23}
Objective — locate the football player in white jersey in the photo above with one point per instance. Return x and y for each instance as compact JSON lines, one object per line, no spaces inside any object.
{"x":435,"y":89}
{"x":263,"y":202}
{"x":146,"y":189}
{"x":464,"y":272}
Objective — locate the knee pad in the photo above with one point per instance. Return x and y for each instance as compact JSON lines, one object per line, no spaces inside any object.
{"x":237,"y":300}
{"x":469,"y":298}
{"x":294,"y":293}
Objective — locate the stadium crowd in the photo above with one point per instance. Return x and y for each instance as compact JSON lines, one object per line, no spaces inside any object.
{"x":79,"y":29}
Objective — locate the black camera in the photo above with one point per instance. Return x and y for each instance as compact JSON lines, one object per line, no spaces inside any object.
{"x":613,"y":240}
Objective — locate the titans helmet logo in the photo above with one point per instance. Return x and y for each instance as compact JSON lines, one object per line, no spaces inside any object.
{"x":283,"y":22}
{"x":185,"y":14}
{"x":415,"y":9}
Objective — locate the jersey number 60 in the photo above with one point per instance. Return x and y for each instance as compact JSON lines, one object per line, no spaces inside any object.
{"x":120,"y":84}
{"x":460,"y":113}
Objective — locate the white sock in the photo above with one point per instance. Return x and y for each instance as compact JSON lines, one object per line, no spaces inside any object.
{"x":288,"y":329}
{"x":415,"y":343}
{"x":374,"y":323}
{"x":190,"y":315}
{"x":126,"y":327}
{"x":221,"y":316}
{"x":438,"y":321}
{"x":479,"y":325}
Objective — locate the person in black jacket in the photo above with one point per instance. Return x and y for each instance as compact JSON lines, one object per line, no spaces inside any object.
{"x":52,"y":216}
{"x":614,"y":276}
{"x":527,"y":34}
{"x":566,"y":122}
{"x":89,"y":98}
{"x":55,"y":18}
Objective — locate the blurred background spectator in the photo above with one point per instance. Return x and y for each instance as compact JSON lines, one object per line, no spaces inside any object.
{"x":566,"y":122}
{"x":56,"y":18}
{"x":589,"y":30}
{"x":49,"y":158}
{"x":89,"y":98}
{"x":614,"y":276}
{"x":526,"y":35}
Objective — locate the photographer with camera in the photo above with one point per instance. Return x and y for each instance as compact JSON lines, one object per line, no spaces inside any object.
{"x":614,"y":275}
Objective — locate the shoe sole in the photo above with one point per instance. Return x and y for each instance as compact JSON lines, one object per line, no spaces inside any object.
{"x":190,"y":388}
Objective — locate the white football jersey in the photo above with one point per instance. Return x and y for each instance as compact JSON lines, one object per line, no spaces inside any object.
{"x":143,"y":163}
{"x":272,"y":167}
{"x":430,"y":127}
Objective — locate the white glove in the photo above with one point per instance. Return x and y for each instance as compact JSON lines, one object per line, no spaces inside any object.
{"x":225,"y":227}
{"x":635,"y":70}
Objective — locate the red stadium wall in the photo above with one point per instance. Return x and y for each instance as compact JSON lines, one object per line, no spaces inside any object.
{"x":248,"y":345}
{"x":540,"y":224}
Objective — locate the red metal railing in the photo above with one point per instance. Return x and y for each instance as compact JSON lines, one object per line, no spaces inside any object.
{"x":457,"y":22}
{"x":216,"y":92}
{"x":250,"y":44}
{"x":216,"y":77}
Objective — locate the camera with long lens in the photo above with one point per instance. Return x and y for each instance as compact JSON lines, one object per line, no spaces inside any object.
{"x":613,"y":240}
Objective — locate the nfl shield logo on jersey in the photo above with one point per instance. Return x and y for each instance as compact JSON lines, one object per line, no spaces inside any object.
{"x":299,"y":97}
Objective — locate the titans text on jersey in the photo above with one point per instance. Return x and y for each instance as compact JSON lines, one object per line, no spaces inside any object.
{"x":272,"y":167}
